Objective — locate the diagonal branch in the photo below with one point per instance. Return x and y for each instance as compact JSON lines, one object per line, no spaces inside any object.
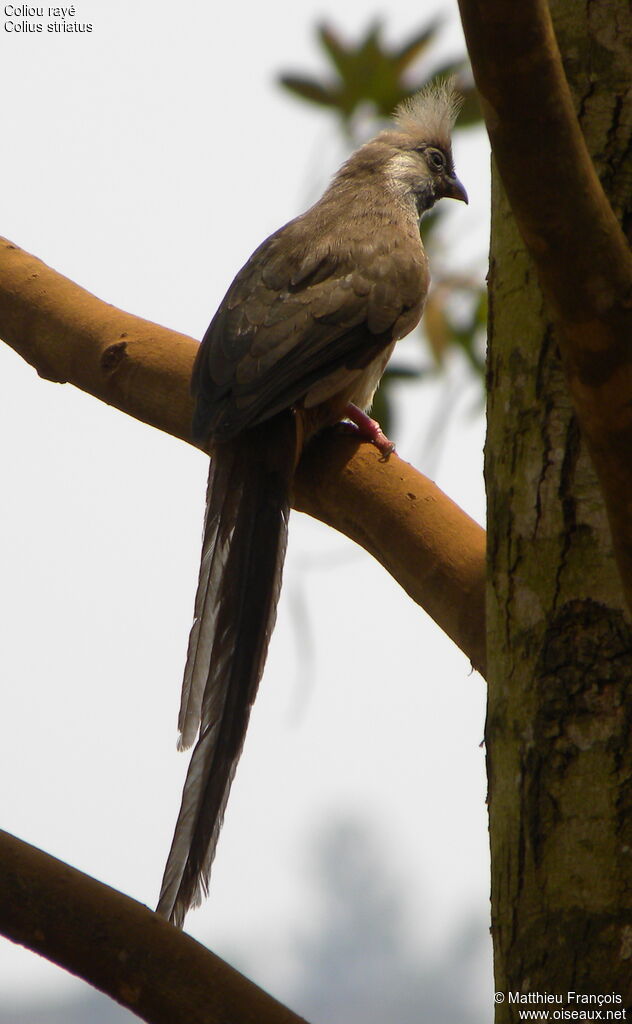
{"x":430,"y":546}
{"x":121,"y":947}
{"x":580,"y":252}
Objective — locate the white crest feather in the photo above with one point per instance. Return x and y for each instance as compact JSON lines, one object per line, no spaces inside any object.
{"x":431,"y":112}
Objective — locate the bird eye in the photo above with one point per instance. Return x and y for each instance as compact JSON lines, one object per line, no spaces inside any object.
{"x":436,"y":159}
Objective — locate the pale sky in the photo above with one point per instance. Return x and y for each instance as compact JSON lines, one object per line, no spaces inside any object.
{"x":146,"y":160}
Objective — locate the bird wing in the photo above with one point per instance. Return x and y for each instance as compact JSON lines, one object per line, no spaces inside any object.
{"x":291,"y":318}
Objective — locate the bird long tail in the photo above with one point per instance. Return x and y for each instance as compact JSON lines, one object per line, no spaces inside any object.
{"x":245,"y":535}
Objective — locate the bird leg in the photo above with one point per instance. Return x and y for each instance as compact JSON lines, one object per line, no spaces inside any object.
{"x":369,"y":429}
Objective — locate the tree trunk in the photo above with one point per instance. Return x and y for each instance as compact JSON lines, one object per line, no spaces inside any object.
{"x":559,"y":638}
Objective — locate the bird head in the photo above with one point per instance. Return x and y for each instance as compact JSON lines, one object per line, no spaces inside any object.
{"x":416,"y":157}
{"x":422,"y":162}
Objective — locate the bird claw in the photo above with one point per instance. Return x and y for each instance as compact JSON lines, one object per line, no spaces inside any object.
{"x":369,"y":429}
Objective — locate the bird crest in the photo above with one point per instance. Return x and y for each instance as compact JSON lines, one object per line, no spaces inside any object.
{"x":431,"y":112}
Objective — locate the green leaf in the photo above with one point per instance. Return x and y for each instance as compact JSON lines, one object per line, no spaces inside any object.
{"x":471,"y":112}
{"x":311,"y":90}
{"x":370,"y":72}
{"x":338,"y":53}
{"x":381,"y":409}
{"x":405,"y":373}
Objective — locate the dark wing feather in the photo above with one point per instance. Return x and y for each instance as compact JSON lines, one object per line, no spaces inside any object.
{"x":290,"y":318}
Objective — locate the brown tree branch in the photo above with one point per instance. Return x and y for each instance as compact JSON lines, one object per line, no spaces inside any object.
{"x":430,"y":546}
{"x":580,"y":252}
{"x":121,"y":947}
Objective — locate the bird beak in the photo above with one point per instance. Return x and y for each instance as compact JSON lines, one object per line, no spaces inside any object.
{"x":455,"y":190}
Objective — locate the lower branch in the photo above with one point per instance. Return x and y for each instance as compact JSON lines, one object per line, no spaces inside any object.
{"x":121,"y":947}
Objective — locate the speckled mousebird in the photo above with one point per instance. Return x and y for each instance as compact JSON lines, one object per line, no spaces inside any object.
{"x":299,"y":342}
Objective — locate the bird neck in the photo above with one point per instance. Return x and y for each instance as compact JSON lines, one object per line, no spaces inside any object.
{"x":371,"y":193}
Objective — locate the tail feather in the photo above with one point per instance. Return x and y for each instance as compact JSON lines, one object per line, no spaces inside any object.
{"x":222,"y":501}
{"x":245,"y":537}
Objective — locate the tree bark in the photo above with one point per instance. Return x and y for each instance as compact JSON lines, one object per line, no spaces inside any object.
{"x":559,"y":638}
{"x":580,"y":252}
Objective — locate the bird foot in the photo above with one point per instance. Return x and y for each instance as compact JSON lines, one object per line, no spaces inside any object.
{"x":369,"y":429}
